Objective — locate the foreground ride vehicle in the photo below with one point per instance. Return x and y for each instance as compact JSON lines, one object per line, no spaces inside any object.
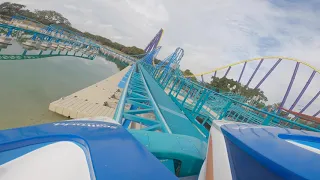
{"x":102,"y":149}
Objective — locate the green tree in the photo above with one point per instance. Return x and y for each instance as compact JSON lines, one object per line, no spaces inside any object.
{"x":51,"y":17}
{"x":230,"y":85}
{"x":10,"y":9}
{"x":132,"y":50}
{"x":156,"y":61}
{"x":187,"y":72}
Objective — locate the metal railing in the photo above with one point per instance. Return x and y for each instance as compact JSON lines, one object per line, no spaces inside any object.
{"x":202,"y":105}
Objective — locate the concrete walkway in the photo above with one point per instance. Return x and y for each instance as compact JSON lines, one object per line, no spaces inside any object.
{"x":100,"y":99}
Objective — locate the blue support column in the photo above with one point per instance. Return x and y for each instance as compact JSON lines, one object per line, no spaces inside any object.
{"x":202,"y":80}
{"x":194,"y":101}
{"x":254,"y":73}
{"x":165,"y":79}
{"x":244,"y":67}
{"x":203,"y":101}
{"x":289,"y":87}
{"x":9,"y":32}
{"x":168,"y":81}
{"x":34,"y":36}
{"x":179,"y":89}
{"x":185,"y":98}
{"x":204,"y":92}
{"x":303,"y":90}
{"x":316,"y":114}
{"x":24,"y":52}
{"x":225,"y":75}
{"x":225,"y":110}
{"x":268,"y":73}
{"x":173,"y":85}
{"x":215,"y":74}
{"x":309,"y":103}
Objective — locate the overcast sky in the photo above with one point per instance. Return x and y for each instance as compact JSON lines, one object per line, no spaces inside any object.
{"x":212,"y":33}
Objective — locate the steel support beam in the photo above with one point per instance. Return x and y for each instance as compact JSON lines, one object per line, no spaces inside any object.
{"x":254,"y":73}
{"x":227,"y":72}
{"x":310,"y":102}
{"x":202,"y":80}
{"x":268,"y":73}
{"x":316,"y":114}
{"x":290,"y":85}
{"x":303,"y":90}
{"x":244,"y":67}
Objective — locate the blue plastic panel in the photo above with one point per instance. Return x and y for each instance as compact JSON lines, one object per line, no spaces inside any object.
{"x":279,"y":156}
{"x":114,"y":152}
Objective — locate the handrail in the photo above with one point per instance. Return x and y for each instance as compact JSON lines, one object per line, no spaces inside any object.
{"x":226,"y":107}
{"x":120,"y":107}
{"x":4,"y":57}
{"x":256,"y":109}
{"x":31,"y":31}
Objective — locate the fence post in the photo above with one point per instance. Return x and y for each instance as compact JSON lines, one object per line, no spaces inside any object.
{"x":205,"y":120}
{"x":199,"y":100}
{"x":9,"y":32}
{"x":190,"y":89}
{"x":195,"y":95}
{"x":203,"y":101}
{"x":168,"y":81}
{"x":267,"y":120}
{"x":225,"y":110}
{"x":179,"y":89}
{"x":173,"y":85}
{"x":24,"y":52}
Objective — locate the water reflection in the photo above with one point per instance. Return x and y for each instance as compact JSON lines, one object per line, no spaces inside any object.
{"x":27,"y":87}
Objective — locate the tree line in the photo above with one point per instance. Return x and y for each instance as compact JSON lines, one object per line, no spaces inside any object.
{"x":49,"y":17}
{"x":225,"y":84}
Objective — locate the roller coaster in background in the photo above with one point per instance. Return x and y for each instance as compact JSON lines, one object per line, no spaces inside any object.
{"x":51,"y":40}
{"x":202,"y":105}
{"x":314,"y":71}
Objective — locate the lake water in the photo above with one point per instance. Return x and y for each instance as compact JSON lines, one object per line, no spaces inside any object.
{"x":27,"y":87}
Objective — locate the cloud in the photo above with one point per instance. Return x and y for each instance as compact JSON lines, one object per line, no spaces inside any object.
{"x":75,"y":8}
{"x":151,"y":9}
{"x":117,"y":37}
{"x":71,"y":7}
{"x":105,"y":25}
